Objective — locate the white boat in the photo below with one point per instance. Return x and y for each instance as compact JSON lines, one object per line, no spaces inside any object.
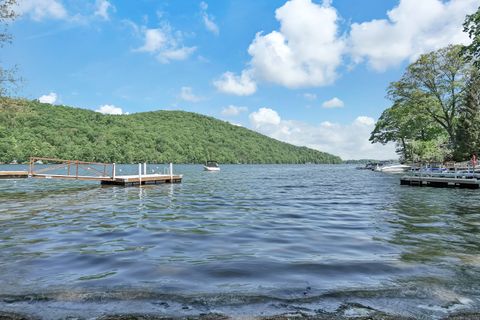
{"x":211,"y":166}
{"x":394,"y":168}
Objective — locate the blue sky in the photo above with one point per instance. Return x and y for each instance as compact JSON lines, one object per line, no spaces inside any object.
{"x":307,"y":72}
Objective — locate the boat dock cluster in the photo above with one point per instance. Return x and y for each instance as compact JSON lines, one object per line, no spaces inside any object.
{"x":445,"y":175}
{"x":448,"y":175}
{"x":105,"y":173}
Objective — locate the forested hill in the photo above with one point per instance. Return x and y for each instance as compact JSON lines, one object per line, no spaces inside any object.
{"x":30,"y":128}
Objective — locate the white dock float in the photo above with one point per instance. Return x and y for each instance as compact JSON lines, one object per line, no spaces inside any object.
{"x":440,"y":182}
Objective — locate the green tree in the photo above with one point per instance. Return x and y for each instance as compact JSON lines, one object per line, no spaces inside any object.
{"x":472,"y":27}
{"x":468,"y":131}
{"x":435,"y":82}
{"x":8,"y":78}
{"x":406,"y":126}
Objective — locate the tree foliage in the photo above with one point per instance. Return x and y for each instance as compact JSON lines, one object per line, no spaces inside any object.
{"x":30,"y":128}
{"x":472,"y":27}
{"x":8,"y":77}
{"x":435,"y":83}
{"x":403,"y":124}
{"x":468,"y":130}
{"x":435,"y":108}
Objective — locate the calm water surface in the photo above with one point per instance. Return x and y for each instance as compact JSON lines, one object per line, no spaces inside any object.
{"x":251,"y":239}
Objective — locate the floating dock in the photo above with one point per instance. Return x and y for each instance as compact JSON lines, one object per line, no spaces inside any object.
{"x":105,"y":173}
{"x":13,"y":174}
{"x":440,"y":182}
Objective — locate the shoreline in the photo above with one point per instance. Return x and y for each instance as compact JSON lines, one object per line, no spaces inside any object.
{"x":373,"y":315}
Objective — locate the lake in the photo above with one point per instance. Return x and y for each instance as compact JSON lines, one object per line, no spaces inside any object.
{"x":251,"y":240}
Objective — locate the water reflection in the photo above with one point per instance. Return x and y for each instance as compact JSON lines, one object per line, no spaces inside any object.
{"x":436,"y":224}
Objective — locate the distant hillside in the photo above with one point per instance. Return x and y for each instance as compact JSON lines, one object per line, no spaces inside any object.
{"x":30,"y":128}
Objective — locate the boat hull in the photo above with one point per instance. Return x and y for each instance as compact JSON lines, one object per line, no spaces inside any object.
{"x":395,"y":169}
{"x":211,"y":168}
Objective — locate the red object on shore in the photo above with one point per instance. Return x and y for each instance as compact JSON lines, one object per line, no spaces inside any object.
{"x":474,"y":160}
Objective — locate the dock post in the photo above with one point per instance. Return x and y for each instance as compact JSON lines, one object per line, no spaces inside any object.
{"x":113,"y":171}
{"x":171,"y":172}
{"x":30,"y":171}
{"x":140,"y":173}
{"x":145,"y":168}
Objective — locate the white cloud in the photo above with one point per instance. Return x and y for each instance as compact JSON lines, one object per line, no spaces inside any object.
{"x":242,"y":85}
{"x":102,"y":8}
{"x":175,"y":54}
{"x":235,"y":124}
{"x":364,"y":121}
{"x":186,"y":93}
{"x":42,"y":9}
{"x":305,"y":51}
{"x":164,"y":43}
{"x":232,"y":110}
{"x":208,"y":20}
{"x":155,"y":39}
{"x":310,"y":96}
{"x":412,"y":28}
{"x":349,"y":141}
{"x":110,"y":109}
{"x":264,"y":117}
{"x":333,"y":103}
{"x":50,"y":98}
{"x":308,"y":51}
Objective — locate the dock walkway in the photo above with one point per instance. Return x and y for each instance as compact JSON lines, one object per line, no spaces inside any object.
{"x":440,"y":181}
{"x":105,"y":173}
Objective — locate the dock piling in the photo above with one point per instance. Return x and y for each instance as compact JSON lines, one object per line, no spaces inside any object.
{"x":140,"y":173}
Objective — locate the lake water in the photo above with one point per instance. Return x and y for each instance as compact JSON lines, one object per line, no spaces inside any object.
{"x":249,"y":240}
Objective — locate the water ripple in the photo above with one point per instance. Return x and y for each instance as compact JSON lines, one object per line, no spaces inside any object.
{"x":248,"y":231}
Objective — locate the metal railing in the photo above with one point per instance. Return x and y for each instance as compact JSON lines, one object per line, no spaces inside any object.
{"x":70,"y":168}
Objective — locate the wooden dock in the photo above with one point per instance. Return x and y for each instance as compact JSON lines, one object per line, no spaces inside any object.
{"x":105,"y":173}
{"x":13,"y":174}
{"x":440,"y":182}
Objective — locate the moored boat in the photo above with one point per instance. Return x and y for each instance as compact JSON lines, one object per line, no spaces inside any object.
{"x":394,"y":168}
{"x":211,"y":166}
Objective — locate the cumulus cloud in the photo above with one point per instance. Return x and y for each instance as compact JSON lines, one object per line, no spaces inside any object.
{"x":333,"y":103}
{"x":110,"y":109}
{"x":208,"y":20}
{"x":186,"y":94}
{"x":349,"y":141}
{"x":308,"y":51}
{"x":50,"y":98}
{"x":264,"y":117}
{"x":232,"y":110}
{"x":164,"y":43}
{"x":305,"y":51}
{"x":412,"y":28}
{"x":242,"y":85}
{"x":41,"y":9}
{"x":102,"y":9}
